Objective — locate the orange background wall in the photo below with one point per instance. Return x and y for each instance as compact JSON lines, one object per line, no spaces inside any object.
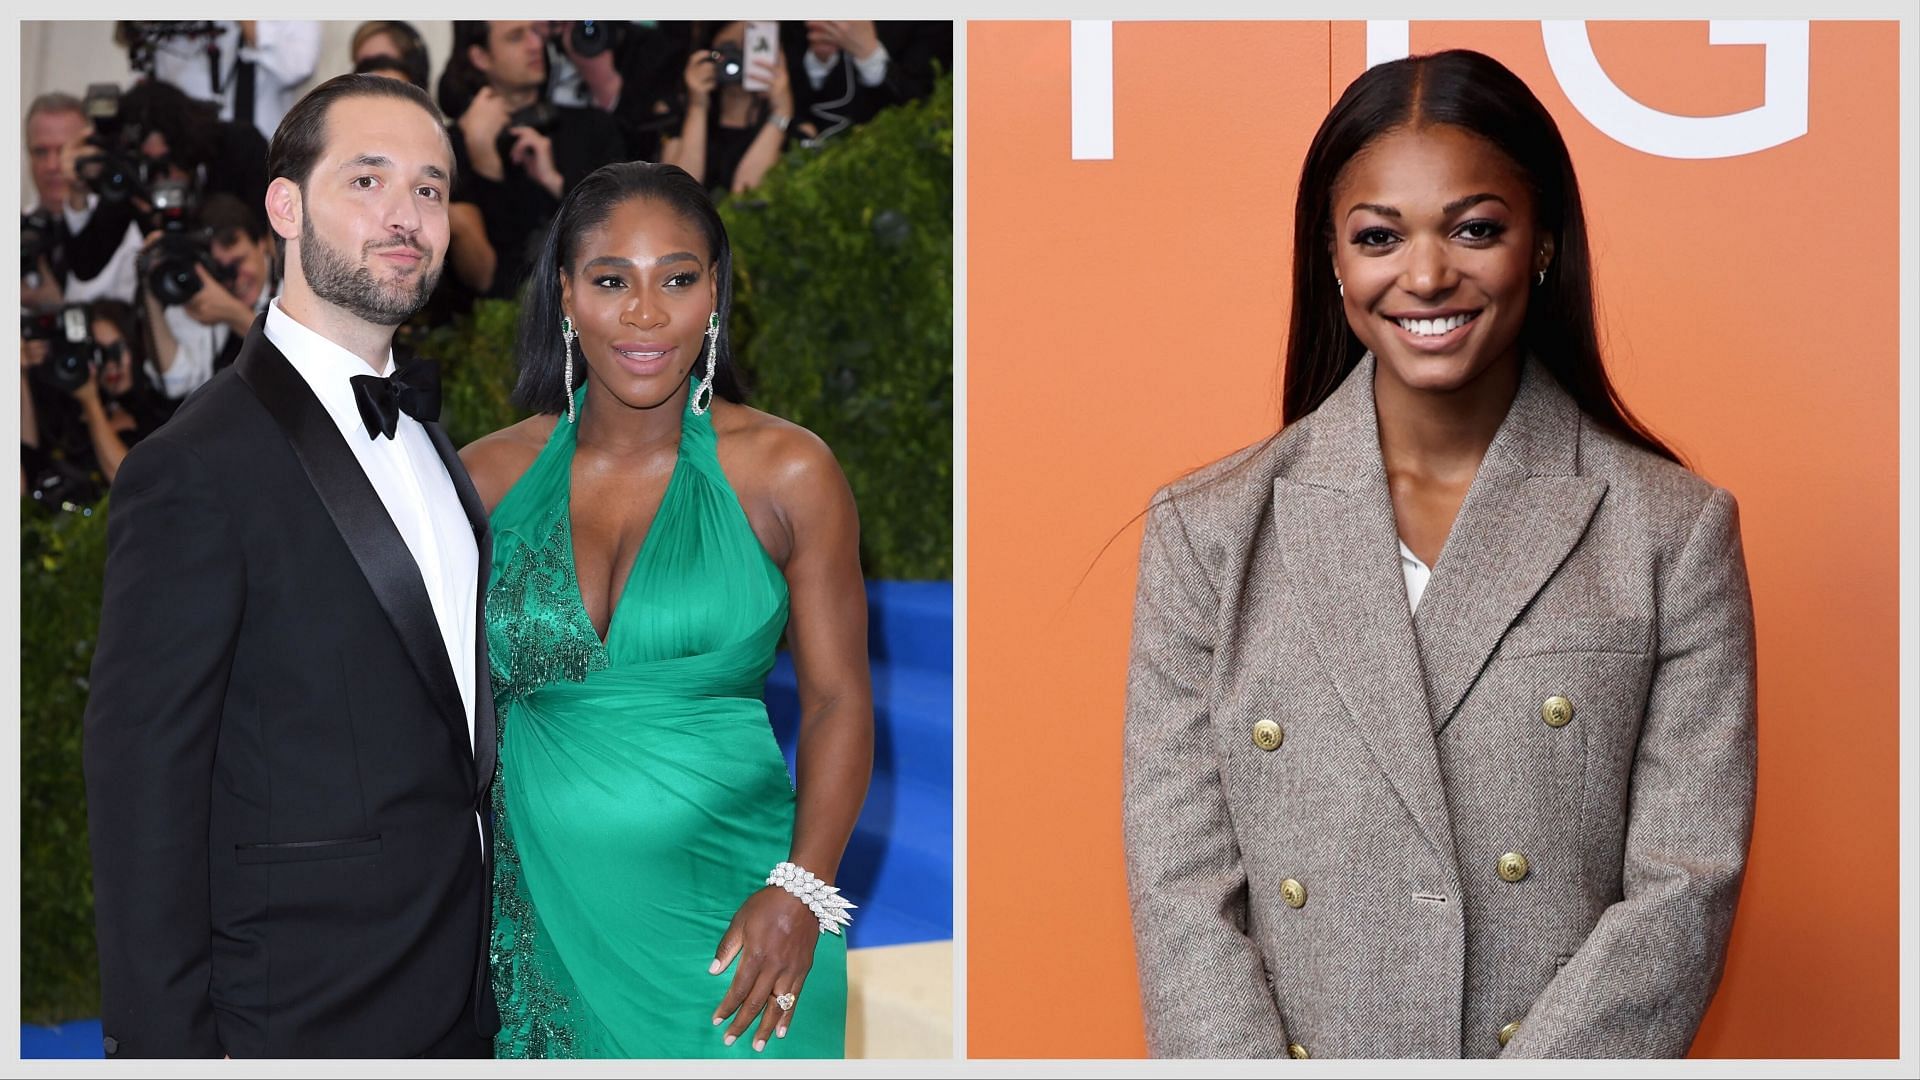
{"x":1126,"y":319}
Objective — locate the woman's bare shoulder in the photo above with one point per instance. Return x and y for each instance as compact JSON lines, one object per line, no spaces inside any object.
{"x":497,"y":461}
{"x":772,"y":448}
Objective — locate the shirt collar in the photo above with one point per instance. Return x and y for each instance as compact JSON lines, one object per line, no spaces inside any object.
{"x":327,"y":367}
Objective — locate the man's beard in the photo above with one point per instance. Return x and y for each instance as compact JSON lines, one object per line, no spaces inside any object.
{"x":340,"y":282}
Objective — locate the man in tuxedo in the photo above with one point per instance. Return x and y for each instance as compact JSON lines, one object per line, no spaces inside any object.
{"x":289,"y":741}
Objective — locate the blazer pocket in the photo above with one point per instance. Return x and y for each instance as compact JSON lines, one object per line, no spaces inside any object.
{"x":307,"y":850}
{"x":1544,"y":632}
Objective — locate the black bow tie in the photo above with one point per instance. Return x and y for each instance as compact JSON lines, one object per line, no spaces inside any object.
{"x":413,"y":389}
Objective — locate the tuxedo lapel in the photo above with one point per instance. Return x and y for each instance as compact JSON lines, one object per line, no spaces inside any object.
{"x":1526,"y":510}
{"x":358,"y":513}
{"x":484,"y":733}
{"x":1334,"y":522}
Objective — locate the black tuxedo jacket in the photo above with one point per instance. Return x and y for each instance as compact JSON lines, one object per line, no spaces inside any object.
{"x":280,"y":788}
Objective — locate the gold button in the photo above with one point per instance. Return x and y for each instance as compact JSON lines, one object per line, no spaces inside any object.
{"x":1294,"y":893}
{"x":1557,"y":711}
{"x":1513,"y":866}
{"x":1507,"y":1033}
{"x":1295,"y":1050}
{"x":1268,"y":735}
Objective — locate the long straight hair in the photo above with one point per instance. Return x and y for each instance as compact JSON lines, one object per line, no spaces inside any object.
{"x":542,"y":384}
{"x":1472,"y":91}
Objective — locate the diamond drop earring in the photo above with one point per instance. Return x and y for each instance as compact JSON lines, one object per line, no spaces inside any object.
{"x":1341,"y":285}
{"x":703,"y":394}
{"x":567,"y":335}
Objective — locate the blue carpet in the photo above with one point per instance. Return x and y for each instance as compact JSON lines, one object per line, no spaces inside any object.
{"x":899,"y":864}
{"x":79,"y":1039}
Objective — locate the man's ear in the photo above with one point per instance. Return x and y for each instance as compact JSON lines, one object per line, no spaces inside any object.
{"x":285,"y":208}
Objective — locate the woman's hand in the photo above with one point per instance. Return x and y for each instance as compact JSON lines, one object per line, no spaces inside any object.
{"x":774,"y":935}
{"x":701,"y":76}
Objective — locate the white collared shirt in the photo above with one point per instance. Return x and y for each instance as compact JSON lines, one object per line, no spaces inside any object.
{"x":871,"y":69}
{"x":412,"y":483}
{"x":1416,"y":573}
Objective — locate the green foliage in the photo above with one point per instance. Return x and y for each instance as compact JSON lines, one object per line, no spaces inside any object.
{"x":843,"y":324}
{"x":476,"y":370}
{"x":61,"y":561}
{"x":843,"y":311}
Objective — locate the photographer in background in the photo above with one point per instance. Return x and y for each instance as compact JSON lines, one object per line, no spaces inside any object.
{"x":731,"y":134}
{"x":629,"y":69}
{"x":251,"y":70}
{"x":851,"y":69}
{"x":156,"y":134}
{"x":516,"y":153}
{"x":397,"y":42}
{"x":48,"y":275}
{"x":83,"y":404}
{"x":195,"y":339}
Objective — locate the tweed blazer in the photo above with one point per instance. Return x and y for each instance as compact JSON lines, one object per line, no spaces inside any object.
{"x":1418,"y":854}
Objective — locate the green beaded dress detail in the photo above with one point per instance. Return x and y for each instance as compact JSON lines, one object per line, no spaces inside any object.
{"x":641,"y":796}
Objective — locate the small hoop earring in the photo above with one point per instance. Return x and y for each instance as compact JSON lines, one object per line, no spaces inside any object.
{"x":703,"y":393}
{"x":1540,"y":278}
{"x":567,"y":335}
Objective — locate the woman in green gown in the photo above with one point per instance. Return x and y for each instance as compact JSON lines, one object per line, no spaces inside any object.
{"x":652,"y":539}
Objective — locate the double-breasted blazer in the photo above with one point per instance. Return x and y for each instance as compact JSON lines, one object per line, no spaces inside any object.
{"x":1514,"y":822}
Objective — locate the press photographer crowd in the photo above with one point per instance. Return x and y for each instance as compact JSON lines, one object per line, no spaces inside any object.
{"x":147,"y":255}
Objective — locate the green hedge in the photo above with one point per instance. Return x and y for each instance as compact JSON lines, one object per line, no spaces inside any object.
{"x":844,"y":311}
{"x":61,"y":560}
{"x":843,"y":323}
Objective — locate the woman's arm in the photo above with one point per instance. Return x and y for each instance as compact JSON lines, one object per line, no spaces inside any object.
{"x":764,"y":152}
{"x":1203,"y":987}
{"x":827,"y":631}
{"x":689,"y":149}
{"x":1640,"y":983}
{"x":108,"y":448}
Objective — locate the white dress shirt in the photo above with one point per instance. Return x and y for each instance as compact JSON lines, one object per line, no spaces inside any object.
{"x":1416,"y":573}
{"x":412,"y":483}
{"x":284,"y":55}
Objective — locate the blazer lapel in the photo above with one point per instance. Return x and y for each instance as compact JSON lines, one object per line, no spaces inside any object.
{"x":1334,"y":522}
{"x":1526,"y":510}
{"x":484,"y":733}
{"x":357,"y":512}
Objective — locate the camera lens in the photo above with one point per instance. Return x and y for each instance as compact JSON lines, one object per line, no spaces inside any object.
{"x":591,"y":37}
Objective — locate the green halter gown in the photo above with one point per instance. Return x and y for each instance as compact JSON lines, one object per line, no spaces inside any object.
{"x":641,"y":796}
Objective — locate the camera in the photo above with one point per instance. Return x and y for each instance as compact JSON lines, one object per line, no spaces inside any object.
{"x":117,"y":171}
{"x":589,"y":38}
{"x":729,"y":64}
{"x":171,"y":266}
{"x":72,"y":354}
{"x":541,"y":116}
{"x":39,"y":235}
{"x":143,"y":39}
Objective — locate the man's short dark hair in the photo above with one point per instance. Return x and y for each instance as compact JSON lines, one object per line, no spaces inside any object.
{"x":225,"y":218}
{"x":301,"y":139}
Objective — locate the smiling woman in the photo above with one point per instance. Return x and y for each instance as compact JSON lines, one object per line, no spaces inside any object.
{"x":1456,"y":801}
{"x":657,"y":875}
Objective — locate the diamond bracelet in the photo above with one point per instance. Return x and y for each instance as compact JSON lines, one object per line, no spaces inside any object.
{"x":822,"y":899}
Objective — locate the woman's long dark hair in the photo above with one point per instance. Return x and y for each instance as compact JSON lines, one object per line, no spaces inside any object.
{"x":542,"y":384}
{"x":1472,"y":91}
